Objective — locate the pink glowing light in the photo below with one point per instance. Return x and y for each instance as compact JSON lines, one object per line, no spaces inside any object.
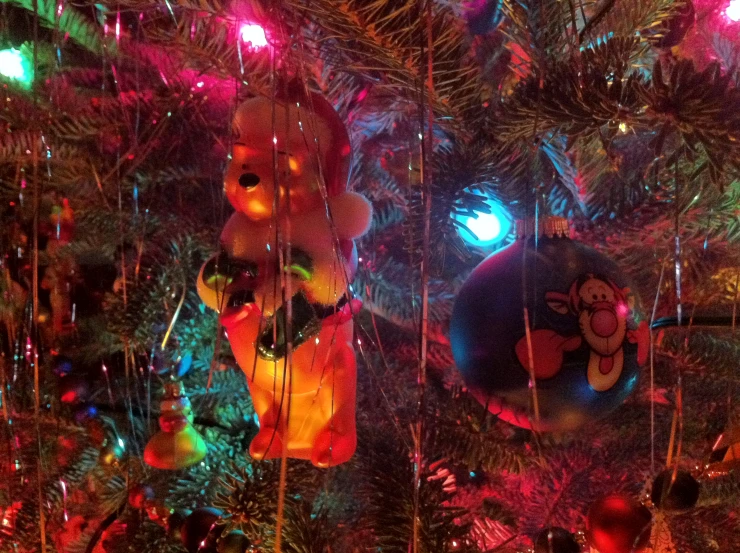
{"x":254,"y":35}
{"x":733,"y":10}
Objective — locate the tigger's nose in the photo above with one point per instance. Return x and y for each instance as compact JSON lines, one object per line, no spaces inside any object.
{"x":604,"y":322}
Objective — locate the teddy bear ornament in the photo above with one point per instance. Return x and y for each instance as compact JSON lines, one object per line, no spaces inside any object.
{"x":308,"y":407}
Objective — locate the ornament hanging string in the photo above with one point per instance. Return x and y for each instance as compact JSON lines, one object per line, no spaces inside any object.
{"x":652,"y":368}
{"x":175,"y":316}
{"x":282,"y":242}
{"x":309,"y":122}
{"x":425,"y":175}
{"x":527,"y":328}
{"x":220,"y":295}
{"x":731,"y":382}
{"x":35,"y":282}
{"x":678,"y":415}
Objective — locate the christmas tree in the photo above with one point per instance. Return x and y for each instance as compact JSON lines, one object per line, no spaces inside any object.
{"x":211,"y":343}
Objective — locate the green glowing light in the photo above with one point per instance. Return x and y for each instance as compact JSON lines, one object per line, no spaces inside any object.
{"x":16,"y":66}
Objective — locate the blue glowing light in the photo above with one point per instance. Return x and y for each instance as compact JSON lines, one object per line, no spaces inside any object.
{"x":484,"y":230}
{"x":15,"y":65}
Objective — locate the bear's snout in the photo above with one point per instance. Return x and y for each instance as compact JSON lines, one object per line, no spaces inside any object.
{"x":249,"y":180}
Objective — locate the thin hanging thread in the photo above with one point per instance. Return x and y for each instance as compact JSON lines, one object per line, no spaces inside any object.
{"x":426,"y":195}
{"x":221,"y":294}
{"x":652,"y":369}
{"x":35,"y":283}
{"x":527,"y":328}
{"x":730,"y":383}
{"x":284,"y":261}
{"x":677,"y":423}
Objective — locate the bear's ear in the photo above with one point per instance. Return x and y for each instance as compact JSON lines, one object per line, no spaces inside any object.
{"x":352,"y":214}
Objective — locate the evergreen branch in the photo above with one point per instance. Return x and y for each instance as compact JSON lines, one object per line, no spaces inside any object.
{"x":390,"y":55}
{"x":70,"y":22}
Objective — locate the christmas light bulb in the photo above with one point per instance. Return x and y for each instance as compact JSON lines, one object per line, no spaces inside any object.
{"x":14,"y":65}
{"x":254,"y":35}
{"x":484,"y":230}
{"x":733,"y":10}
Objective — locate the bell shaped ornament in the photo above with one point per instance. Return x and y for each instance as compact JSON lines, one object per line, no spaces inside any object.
{"x":725,"y":456}
{"x":178,"y":444}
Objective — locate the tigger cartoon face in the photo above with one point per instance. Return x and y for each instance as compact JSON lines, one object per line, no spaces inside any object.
{"x":601,"y":308}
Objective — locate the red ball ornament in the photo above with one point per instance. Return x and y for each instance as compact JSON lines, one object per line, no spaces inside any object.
{"x":675,"y":494}
{"x":556,"y":540}
{"x":618,"y":524}
{"x":61,"y":365}
{"x":140,"y":496}
{"x":175,"y":522}
{"x":587,"y":340}
{"x":234,"y":542}
{"x":196,"y":529}
{"x":73,"y":389}
{"x":67,"y":449}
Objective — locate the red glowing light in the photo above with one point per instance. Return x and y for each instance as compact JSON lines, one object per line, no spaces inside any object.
{"x":733,"y":10}
{"x":254,"y":35}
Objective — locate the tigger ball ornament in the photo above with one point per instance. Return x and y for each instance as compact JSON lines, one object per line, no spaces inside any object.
{"x":309,"y":406}
{"x":587,"y":341}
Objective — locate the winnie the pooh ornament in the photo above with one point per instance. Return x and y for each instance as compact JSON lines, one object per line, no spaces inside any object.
{"x":309,"y":406}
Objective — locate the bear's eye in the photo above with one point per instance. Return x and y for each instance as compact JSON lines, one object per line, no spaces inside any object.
{"x":245,"y":166}
{"x":301,"y":264}
{"x":603,"y":296}
{"x":222,"y":270}
{"x":595,"y":297}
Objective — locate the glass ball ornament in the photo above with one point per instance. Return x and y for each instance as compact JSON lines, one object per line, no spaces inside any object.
{"x":61,"y":365}
{"x":676,"y":494}
{"x":195,"y":532}
{"x":140,"y":495}
{"x":618,"y":524}
{"x":85,"y":412}
{"x":556,"y":540}
{"x":234,"y":542}
{"x":73,"y":389}
{"x":112,"y":452}
{"x":175,"y":521}
{"x":588,"y":337}
{"x":483,"y":16}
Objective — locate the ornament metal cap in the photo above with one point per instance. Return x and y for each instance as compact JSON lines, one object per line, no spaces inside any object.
{"x":550,"y":226}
